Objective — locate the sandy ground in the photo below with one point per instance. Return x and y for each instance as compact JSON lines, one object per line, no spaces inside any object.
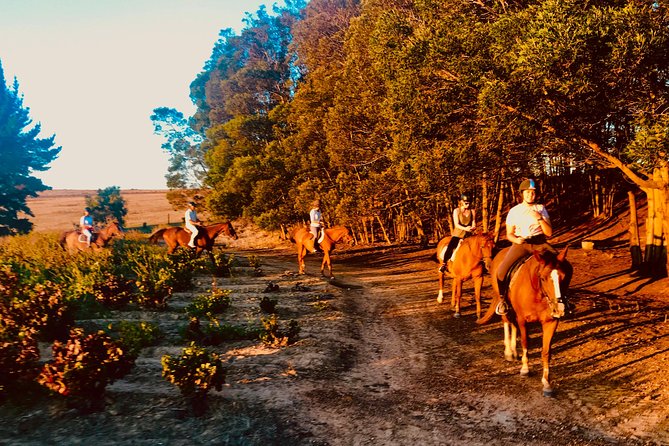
{"x":380,"y":362}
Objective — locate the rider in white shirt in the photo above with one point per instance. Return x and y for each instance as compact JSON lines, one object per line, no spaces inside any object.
{"x":190,"y":221}
{"x":86,"y":225}
{"x":316,"y":222}
{"x":527,"y":226}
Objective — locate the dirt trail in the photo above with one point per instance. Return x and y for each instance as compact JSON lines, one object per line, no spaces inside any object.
{"x":381,"y":363}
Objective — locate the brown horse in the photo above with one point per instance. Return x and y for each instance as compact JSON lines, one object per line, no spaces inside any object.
{"x":468,"y":263}
{"x":305,"y":241}
{"x":533,"y":294}
{"x":177,"y":236}
{"x":74,"y":241}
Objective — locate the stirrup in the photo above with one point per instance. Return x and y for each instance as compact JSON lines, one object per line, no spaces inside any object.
{"x":502,"y":308}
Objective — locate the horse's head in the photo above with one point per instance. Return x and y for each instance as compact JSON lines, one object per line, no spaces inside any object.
{"x":554,"y":273}
{"x":113,"y":229}
{"x":230,"y":231}
{"x":487,"y":245}
{"x":345,"y":235}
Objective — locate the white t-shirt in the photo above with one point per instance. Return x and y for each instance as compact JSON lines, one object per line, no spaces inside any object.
{"x":525,"y":224}
{"x":315,"y":217}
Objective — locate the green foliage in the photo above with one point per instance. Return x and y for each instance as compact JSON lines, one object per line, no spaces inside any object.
{"x":274,"y":336}
{"x":195,"y":373}
{"x":22,"y":152}
{"x":107,"y":204}
{"x":134,"y":336}
{"x":84,"y":366}
{"x":214,"y":302}
{"x":215,"y":333}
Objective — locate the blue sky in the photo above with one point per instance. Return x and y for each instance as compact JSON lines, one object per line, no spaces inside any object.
{"x":92,"y":71}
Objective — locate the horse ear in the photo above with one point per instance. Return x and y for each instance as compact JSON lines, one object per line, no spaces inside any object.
{"x":563,"y":255}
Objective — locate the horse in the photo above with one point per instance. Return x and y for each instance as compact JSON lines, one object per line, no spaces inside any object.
{"x":468,"y":263}
{"x":536,"y":287}
{"x":72,"y":241}
{"x":177,"y":236}
{"x":304,"y":240}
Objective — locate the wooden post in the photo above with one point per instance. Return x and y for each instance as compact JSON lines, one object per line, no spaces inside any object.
{"x":498,"y":213}
{"x":484,"y":204}
{"x":635,"y":243}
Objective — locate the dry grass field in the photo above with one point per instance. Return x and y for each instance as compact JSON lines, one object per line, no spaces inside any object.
{"x":60,"y":210}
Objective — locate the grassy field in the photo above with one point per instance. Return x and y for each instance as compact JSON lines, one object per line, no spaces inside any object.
{"x":60,"y":210}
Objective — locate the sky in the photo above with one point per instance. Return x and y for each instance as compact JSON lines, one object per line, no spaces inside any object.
{"x":92,"y":71}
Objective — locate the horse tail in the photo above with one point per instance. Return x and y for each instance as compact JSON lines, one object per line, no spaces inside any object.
{"x":156,"y":236}
{"x":491,"y":311}
{"x":291,"y":234}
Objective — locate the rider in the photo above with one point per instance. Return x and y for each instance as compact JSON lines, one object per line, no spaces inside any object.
{"x":464,"y":223}
{"x":86,"y":225}
{"x":527,"y":226}
{"x":316,"y":218}
{"x":191,"y":221}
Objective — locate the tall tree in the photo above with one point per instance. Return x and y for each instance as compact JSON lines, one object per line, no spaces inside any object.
{"x":107,"y":204}
{"x":22,"y":153}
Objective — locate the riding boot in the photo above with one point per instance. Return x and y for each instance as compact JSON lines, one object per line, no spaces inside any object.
{"x":502,"y":307}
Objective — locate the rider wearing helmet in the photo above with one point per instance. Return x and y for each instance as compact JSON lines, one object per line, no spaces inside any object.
{"x":316,"y":222}
{"x":87,"y":226}
{"x":464,"y":223}
{"x":527,"y":226}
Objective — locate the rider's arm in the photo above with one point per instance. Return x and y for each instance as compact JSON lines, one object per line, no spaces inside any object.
{"x":456,"y":220}
{"x":511,"y":235}
{"x":545,"y":224}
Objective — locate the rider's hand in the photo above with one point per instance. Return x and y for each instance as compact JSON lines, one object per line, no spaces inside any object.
{"x":519,"y":241}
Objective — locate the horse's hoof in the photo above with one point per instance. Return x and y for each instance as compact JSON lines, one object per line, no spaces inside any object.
{"x":440,"y":299}
{"x":548,"y":393}
{"x":524,"y":373}
{"x":456,"y":315}
{"x":509,"y":358}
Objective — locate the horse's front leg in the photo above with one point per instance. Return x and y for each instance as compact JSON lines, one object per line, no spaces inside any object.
{"x":301,"y":250}
{"x":510,"y":336}
{"x":478,"y":284}
{"x":440,"y":296}
{"x":456,"y":295}
{"x":548,"y":330}
{"x":326,"y":261}
{"x":524,"y":368}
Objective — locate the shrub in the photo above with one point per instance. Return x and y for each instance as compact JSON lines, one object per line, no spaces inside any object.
{"x":216,"y":301}
{"x":112,"y":291}
{"x":195,"y":372}
{"x":136,"y":335}
{"x":254,"y":261}
{"x":272,"y":334}
{"x":19,"y":357}
{"x":268,"y":305}
{"x":83,"y":367}
{"x":215,"y":333}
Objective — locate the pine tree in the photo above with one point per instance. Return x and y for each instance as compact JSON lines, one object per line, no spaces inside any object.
{"x":22,"y":152}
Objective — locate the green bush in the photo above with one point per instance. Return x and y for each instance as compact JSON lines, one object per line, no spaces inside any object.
{"x":83,"y":367}
{"x":215,"y":333}
{"x":195,"y":373}
{"x":134,"y":336}
{"x":268,"y":304}
{"x":214,"y":302}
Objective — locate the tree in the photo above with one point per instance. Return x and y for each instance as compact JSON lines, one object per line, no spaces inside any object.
{"x":107,"y":203}
{"x":22,"y":152}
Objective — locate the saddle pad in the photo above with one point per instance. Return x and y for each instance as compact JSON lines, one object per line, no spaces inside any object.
{"x":442,"y":253}
{"x":322,"y":236}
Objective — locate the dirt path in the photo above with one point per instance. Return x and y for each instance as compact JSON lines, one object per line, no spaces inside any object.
{"x":381,"y":363}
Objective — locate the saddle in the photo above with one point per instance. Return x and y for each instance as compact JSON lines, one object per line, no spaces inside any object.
{"x":82,"y":237}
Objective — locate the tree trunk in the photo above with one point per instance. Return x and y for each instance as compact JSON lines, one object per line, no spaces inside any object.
{"x":498,"y":214}
{"x":383,"y":229}
{"x":484,"y":204}
{"x":656,"y":253}
{"x":635,"y":243}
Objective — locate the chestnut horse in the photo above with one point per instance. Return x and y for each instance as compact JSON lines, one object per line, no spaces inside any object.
{"x":305,"y":241}
{"x":468,"y":263}
{"x":74,"y":241}
{"x":177,"y":236}
{"x":534,"y":292}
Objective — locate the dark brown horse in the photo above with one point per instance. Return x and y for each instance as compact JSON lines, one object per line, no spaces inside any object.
{"x":533,"y":294}
{"x":304,"y":240}
{"x":75,"y":241}
{"x":177,"y":236}
{"x":468,"y":263}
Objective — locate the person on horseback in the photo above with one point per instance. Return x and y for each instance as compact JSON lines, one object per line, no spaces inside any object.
{"x":464,"y":223}
{"x":86,"y":225}
{"x":527,"y":226}
{"x":316,"y":225}
{"x":191,"y":221}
